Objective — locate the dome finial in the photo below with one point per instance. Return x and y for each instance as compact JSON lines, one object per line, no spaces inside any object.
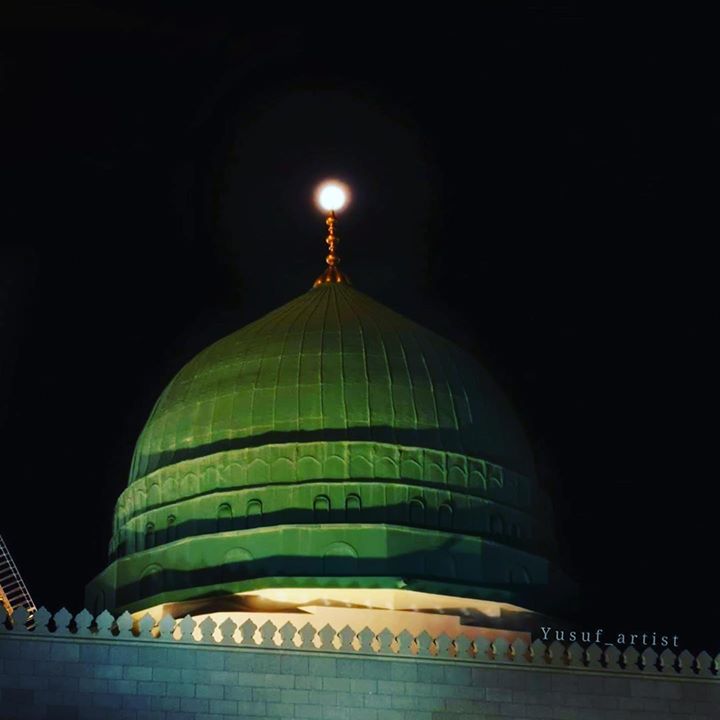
{"x":332,"y":195}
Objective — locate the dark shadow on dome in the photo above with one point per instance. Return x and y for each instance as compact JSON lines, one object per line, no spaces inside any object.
{"x":444,"y":440}
{"x":465,"y":522}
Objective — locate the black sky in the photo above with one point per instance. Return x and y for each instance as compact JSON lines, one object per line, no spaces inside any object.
{"x":527,"y":182}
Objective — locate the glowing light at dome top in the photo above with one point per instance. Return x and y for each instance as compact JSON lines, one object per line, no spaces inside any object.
{"x":332,"y":195}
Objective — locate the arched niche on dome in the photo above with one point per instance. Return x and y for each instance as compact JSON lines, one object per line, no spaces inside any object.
{"x":477,"y":475}
{"x":339,"y":558}
{"x":321,"y":509}
{"x":495,"y":477}
{"x":210,"y":478}
{"x":151,"y":581}
{"x":189,"y":485}
{"x":353,"y":504}
{"x":149,"y":536}
{"x":411,"y":469}
{"x":224,"y":518}
{"x":309,"y":468}
{"x":254,"y":513}
{"x":258,"y":472}
{"x":153,"y":497}
{"x":282,"y":470}
{"x":435,"y":471}
{"x":416,"y":511}
{"x":171,"y":529}
{"x":361,"y":465}
{"x":457,"y":472}
{"x":130,"y":543}
{"x":445,"y":516}
{"x":236,"y":564}
{"x":497,"y":524}
{"x":140,"y":500}
{"x":386,"y":462}
{"x":335,"y":467}
{"x":234,"y":474}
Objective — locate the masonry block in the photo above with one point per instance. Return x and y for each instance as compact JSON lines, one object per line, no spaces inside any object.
{"x":160,"y":702}
{"x":151,"y":715}
{"x":181,"y":689}
{"x":223,"y":707}
{"x":151,"y":687}
{"x":152,"y":656}
{"x":61,"y":712}
{"x":499,"y":694}
{"x":324,"y":697}
{"x":35,"y":650}
{"x":180,"y":657}
{"x":349,"y":667}
{"x":106,"y":700}
{"x":406,"y":671}
{"x":308,"y":682}
{"x":95,"y":652}
{"x":363,"y":686}
{"x":123,"y":687}
{"x":324,"y":666}
{"x":294,"y":665}
{"x":134,"y":672}
{"x":335,"y":683}
{"x":429,"y":673}
{"x":167,"y":674}
{"x":391,"y":687}
{"x":246,"y":707}
{"x":108,"y":672}
{"x":347,"y":699}
{"x":330,"y":712}
{"x":456,"y":675}
{"x":92,"y":685}
{"x":210,"y":660}
{"x":194,"y":704}
{"x":279,"y":710}
{"x":363,"y":714}
{"x":374,"y":670}
{"x":137,"y":702}
{"x":124,"y":655}
{"x":204,"y":690}
{"x":391,"y":715}
{"x":65,"y":651}
{"x":278,"y":681}
{"x":312,"y":712}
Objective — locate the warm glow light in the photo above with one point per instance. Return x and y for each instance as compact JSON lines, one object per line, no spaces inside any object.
{"x":332,"y":195}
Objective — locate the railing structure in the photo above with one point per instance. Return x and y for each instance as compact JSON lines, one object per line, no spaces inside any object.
{"x":13,"y":592}
{"x":555,"y":655}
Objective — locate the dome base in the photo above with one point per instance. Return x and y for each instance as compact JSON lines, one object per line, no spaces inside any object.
{"x":396,"y":610}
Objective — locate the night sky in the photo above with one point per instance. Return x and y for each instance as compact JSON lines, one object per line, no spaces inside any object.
{"x":526,"y":183}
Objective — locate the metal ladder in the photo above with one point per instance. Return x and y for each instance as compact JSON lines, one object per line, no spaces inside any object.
{"x":13,"y":592}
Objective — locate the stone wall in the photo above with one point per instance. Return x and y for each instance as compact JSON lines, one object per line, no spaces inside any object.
{"x":84,"y":678}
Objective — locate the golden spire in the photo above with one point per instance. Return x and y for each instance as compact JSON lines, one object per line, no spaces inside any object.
{"x":331,"y":196}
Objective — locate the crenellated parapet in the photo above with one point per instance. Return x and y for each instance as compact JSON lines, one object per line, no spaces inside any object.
{"x":615,"y":661}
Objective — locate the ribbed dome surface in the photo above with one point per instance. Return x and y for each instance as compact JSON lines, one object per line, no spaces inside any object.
{"x":330,"y":444}
{"x":333,"y":363}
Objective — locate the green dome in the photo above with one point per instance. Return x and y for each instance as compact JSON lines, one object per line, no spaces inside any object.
{"x":331,"y":443}
{"x":333,"y":363}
